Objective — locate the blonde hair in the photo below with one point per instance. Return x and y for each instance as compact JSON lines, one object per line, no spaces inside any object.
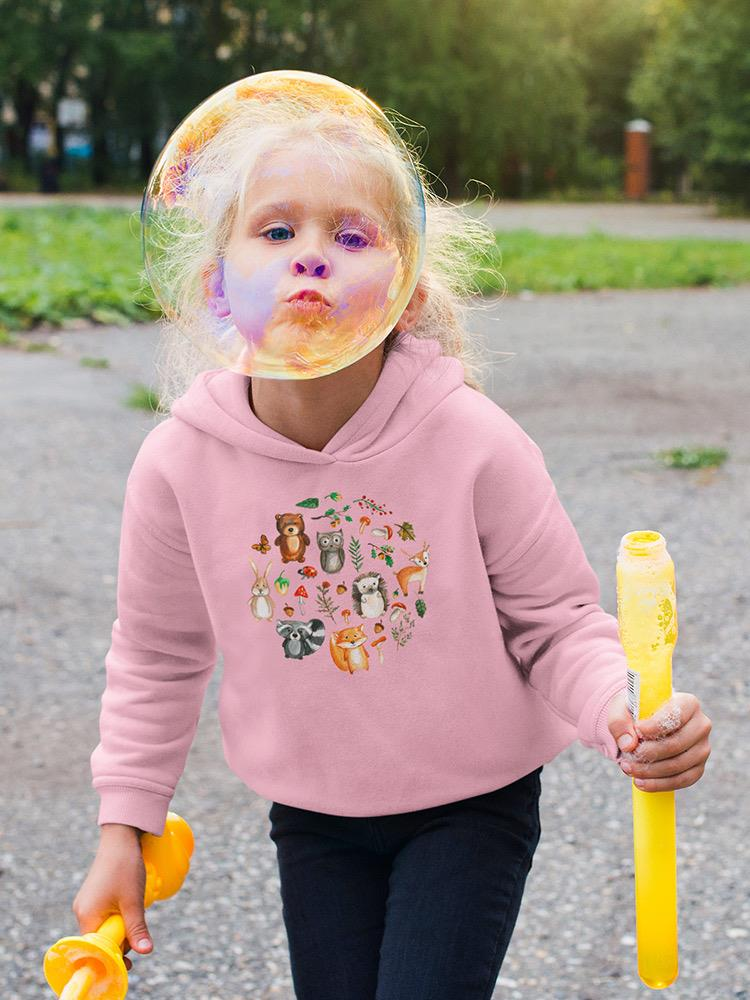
{"x":184,"y":246}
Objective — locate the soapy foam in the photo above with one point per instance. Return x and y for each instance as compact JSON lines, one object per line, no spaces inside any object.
{"x":670,"y":721}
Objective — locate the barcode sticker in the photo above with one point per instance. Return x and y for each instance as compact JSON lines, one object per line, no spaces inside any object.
{"x":634,"y":693}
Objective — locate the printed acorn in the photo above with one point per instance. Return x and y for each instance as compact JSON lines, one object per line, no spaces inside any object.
{"x":281,"y":583}
{"x":288,"y":610}
{"x":378,"y":626}
{"x":341,"y":588}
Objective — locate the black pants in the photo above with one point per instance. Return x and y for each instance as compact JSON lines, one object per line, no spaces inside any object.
{"x":412,"y":906}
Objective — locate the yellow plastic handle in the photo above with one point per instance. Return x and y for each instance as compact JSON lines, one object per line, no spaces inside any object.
{"x":647,"y":618}
{"x":91,"y":966}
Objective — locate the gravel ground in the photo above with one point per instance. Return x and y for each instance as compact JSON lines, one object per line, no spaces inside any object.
{"x":599,"y":380}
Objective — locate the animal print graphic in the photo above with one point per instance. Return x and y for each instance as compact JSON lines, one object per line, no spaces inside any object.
{"x":350,"y":590}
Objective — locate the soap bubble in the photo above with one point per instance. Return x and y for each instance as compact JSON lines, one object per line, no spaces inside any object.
{"x":283,"y":225}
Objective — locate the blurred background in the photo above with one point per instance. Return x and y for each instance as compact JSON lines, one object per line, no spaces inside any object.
{"x":602,"y":119}
{"x":533,"y":98}
{"x":607,"y":145}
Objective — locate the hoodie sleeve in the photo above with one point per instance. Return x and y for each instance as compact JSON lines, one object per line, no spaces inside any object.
{"x":546,"y":593}
{"x":159,"y":662}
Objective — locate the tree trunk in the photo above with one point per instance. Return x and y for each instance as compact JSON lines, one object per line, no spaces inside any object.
{"x":25,"y":102}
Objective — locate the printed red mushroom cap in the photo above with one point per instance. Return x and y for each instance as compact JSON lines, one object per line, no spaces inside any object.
{"x":398,"y":604}
{"x":376,"y":642}
{"x":300,"y":591}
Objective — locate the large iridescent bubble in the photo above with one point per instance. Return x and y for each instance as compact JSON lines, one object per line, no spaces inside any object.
{"x":283,"y":225}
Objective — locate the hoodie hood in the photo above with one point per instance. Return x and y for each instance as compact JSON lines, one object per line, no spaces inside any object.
{"x":415,"y":378}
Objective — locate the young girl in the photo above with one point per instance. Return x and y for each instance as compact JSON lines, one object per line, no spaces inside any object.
{"x":409,"y":625}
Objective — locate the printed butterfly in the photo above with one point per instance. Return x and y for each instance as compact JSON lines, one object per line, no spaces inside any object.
{"x":262,"y":546}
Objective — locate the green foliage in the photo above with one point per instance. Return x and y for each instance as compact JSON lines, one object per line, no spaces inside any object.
{"x":507,"y":91}
{"x":522,"y":97}
{"x":143,"y":398}
{"x":693,"y":458}
{"x":62,"y":262}
{"x":694,"y":84}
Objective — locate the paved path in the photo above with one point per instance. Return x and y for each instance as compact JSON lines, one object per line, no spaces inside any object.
{"x":575,"y":218}
{"x":622,"y":219}
{"x":600,"y":380}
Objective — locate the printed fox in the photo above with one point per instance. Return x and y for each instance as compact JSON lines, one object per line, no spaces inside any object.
{"x":348,"y":649}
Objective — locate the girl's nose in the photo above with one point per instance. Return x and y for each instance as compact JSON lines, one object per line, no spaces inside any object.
{"x":311,"y":263}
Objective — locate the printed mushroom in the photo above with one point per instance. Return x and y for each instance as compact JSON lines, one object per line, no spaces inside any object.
{"x":378,"y":642}
{"x":397,"y":608}
{"x":300,"y":592}
{"x":345,"y":614}
{"x":363,"y":522}
{"x":386,"y":531}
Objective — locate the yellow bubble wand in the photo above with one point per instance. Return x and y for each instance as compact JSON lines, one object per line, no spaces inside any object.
{"x":91,"y":966}
{"x":647,"y":618}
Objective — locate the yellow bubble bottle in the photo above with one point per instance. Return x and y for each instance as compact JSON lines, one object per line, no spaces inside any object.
{"x":647,"y":618}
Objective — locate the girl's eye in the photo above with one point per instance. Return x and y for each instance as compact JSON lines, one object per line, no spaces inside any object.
{"x":350,"y":238}
{"x":275,"y":229}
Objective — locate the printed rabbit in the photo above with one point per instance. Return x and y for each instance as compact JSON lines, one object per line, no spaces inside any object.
{"x":261,"y":603}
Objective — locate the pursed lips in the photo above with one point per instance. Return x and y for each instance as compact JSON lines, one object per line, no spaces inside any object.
{"x":308,"y":295}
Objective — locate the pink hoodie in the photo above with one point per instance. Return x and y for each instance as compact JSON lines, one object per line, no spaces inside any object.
{"x":406,"y":617}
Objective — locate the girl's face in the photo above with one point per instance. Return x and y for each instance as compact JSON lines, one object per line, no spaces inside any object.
{"x":309,"y":227}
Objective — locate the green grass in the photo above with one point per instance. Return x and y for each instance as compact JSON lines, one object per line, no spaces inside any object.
{"x":142,"y":397}
{"x":64,"y":262}
{"x":693,"y":458}
{"x":539,"y":263}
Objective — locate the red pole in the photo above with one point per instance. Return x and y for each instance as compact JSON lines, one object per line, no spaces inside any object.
{"x":637,"y":158}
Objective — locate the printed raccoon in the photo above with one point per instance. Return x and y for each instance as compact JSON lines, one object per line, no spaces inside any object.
{"x":301,"y":638}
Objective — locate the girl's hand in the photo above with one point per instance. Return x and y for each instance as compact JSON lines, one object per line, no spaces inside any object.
{"x":671,"y":746}
{"x":116,"y":883}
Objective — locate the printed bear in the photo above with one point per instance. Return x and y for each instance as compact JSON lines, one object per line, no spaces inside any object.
{"x":292,"y":540}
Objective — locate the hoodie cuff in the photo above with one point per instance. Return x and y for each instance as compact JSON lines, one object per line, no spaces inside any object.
{"x":602,"y":739}
{"x":136,"y":807}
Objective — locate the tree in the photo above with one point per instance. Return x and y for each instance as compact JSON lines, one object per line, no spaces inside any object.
{"x":694,"y":84}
